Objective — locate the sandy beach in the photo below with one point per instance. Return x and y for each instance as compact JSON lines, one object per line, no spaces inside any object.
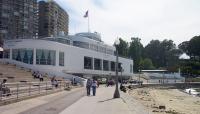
{"x":171,"y":101}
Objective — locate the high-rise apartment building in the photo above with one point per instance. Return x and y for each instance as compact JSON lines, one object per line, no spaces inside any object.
{"x":53,"y":20}
{"x":18,"y":19}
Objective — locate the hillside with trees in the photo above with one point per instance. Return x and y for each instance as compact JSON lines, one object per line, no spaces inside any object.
{"x":191,"y":67}
{"x":162,"y":54}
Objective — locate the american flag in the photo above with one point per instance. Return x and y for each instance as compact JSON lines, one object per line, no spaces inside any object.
{"x":86,"y":14}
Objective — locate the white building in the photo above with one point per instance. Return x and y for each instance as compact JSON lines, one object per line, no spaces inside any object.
{"x":82,"y":54}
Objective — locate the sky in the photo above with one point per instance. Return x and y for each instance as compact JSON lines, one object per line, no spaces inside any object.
{"x":178,"y":20}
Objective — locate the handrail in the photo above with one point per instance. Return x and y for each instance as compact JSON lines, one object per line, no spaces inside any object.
{"x":18,"y":91}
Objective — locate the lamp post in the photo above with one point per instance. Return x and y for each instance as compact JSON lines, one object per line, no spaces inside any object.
{"x":139,"y":72}
{"x":122,"y":70}
{"x":116,"y":93}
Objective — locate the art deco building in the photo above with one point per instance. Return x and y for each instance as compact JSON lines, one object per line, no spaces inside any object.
{"x":18,"y":19}
{"x":53,"y":20}
{"x":82,"y":54}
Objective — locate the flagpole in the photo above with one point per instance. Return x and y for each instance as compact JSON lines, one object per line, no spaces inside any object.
{"x":88,"y":23}
{"x":87,"y":16}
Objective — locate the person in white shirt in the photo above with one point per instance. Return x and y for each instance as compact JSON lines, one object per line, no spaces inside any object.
{"x":94,"y":87}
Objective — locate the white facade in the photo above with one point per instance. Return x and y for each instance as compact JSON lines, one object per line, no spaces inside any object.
{"x":73,"y":56}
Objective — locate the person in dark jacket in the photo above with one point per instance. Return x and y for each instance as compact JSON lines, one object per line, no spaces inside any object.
{"x":88,"y":86}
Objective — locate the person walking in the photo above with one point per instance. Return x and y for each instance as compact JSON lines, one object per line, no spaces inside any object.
{"x":41,"y":77}
{"x":88,"y":86}
{"x":94,"y":86}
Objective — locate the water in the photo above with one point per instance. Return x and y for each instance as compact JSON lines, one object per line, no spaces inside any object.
{"x":193,"y":91}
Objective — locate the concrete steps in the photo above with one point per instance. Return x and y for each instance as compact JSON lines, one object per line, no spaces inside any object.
{"x":14,"y":73}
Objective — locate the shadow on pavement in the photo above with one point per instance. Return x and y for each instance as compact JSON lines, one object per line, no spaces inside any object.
{"x":105,"y":100}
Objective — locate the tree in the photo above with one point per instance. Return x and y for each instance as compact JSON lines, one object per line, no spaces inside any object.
{"x":191,"y":48}
{"x":122,"y":48}
{"x":166,"y":47}
{"x":173,"y":59}
{"x":135,"y":52}
{"x":146,"y":64}
{"x":159,"y":52}
{"x":194,"y":47}
{"x":153,"y":51}
{"x":184,"y":46}
{"x":190,"y":67}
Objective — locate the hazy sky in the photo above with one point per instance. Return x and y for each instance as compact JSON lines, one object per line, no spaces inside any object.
{"x":178,"y":20}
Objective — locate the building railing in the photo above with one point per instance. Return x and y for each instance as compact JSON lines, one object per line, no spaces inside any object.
{"x":22,"y":90}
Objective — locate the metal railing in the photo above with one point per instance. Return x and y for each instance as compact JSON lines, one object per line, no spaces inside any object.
{"x":23,"y":90}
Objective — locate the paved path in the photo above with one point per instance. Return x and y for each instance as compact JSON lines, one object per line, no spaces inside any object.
{"x":56,"y":105}
{"x":49,"y":104}
{"x":103,"y":103}
{"x":75,"y":102}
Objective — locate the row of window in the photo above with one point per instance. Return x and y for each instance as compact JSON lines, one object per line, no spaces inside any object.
{"x":48,"y":57}
{"x":100,"y":64}
{"x":60,"y":40}
{"x":61,"y":58}
{"x":107,"y":65}
{"x":43,"y":57}
{"x":84,"y":45}
{"x":93,"y":47}
{"x":6,"y":53}
{"x":23,"y":55}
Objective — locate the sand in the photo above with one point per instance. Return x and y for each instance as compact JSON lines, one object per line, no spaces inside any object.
{"x":173,"y":100}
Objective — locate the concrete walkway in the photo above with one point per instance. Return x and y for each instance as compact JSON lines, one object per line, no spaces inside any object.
{"x":103,"y":103}
{"x":75,"y":102}
{"x":49,"y":104}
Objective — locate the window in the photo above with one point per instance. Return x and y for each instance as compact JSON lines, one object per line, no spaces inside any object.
{"x":109,"y":51}
{"x":112,"y":65}
{"x":131,"y":68}
{"x":81,"y":44}
{"x":23,"y":55}
{"x":6,"y":53}
{"x":61,"y":40}
{"x":93,"y":47}
{"x":101,"y":49}
{"x":119,"y":67}
{"x":88,"y":64}
{"x":61,"y":59}
{"x":14,"y":54}
{"x":45,"y":57}
{"x":105,"y":65}
{"x":97,"y":64}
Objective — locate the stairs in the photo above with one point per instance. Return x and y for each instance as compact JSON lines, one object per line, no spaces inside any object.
{"x":14,"y":73}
